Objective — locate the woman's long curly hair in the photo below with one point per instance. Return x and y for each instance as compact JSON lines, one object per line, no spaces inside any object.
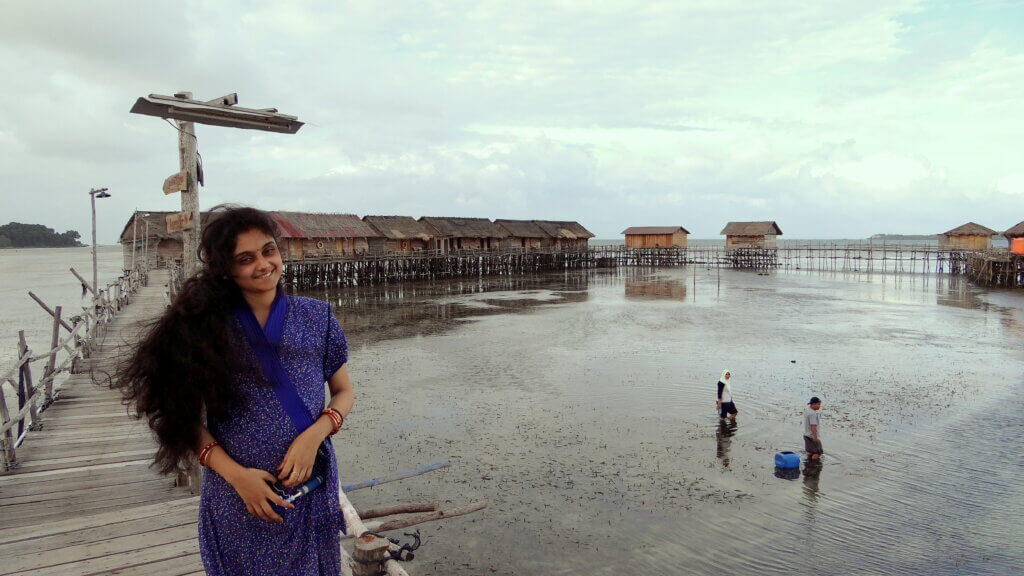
{"x":186,"y":363}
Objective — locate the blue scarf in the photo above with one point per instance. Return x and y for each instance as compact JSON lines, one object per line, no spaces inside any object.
{"x":265,"y":342}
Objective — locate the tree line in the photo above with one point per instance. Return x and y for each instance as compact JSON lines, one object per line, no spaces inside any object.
{"x":18,"y":235}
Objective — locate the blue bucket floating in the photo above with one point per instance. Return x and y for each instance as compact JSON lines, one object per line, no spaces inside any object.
{"x":787,"y":459}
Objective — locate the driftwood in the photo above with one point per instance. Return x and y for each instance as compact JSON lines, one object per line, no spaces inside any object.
{"x":398,"y":509}
{"x":376,"y":556}
{"x":395,"y":524}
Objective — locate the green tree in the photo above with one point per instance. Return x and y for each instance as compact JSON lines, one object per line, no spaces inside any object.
{"x":36,"y":235}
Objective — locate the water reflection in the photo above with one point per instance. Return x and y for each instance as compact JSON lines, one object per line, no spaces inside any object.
{"x":723,"y":438}
{"x":812,"y":474}
{"x":655,"y":288}
{"x":787,"y":473}
{"x":391,"y":311}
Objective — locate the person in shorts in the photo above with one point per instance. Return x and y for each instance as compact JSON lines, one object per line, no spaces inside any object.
{"x":724,"y":403}
{"x":812,"y":442}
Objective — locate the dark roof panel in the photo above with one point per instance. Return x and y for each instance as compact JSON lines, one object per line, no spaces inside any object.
{"x":400,"y":227}
{"x":766,"y":228}
{"x":563,"y":229}
{"x":465,"y":227}
{"x":641,"y":230}
{"x":970,"y":229}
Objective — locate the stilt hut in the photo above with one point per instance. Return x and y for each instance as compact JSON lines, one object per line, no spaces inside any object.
{"x":656,"y":236}
{"x":464,"y":233}
{"x":521,"y":234}
{"x":1015,"y":236}
{"x":402,"y":234}
{"x":751,"y":234}
{"x":146,"y":235}
{"x":968,"y":237}
{"x":564,"y":235}
{"x":308,"y":235}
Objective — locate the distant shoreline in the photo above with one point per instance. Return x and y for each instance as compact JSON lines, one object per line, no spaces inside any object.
{"x":903,"y":237}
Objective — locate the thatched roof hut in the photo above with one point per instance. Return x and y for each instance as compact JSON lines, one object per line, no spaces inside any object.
{"x":309,"y":235}
{"x":969,"y":236}
{"x":656,"y":236}
{"x":751,"y":234}
{"x":146,"y":235}
{"x":521,"y":234}
{"x":399,"y":233}
{"x":1015,"y":236}
{"x":564,"y":234}
{"x":464,"y":233}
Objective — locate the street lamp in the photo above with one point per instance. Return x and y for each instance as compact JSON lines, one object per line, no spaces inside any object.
{"x":93,"y":195}
{"x":145,"y":242}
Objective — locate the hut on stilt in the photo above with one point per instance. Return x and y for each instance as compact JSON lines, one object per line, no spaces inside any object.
{"x":399,"y":234}
{"x":451,"y":234}
{"x":969,"y":237}
{"x":146,"y":242}
{"x":751,"y":235}
{"x":521,"y":234}
{"x":309,"y":235}
{"x":564,"y":235}
{"x":656,"y":237}
{"x":1015,"y":236}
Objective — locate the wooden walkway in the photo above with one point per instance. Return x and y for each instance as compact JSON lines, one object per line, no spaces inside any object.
{"x":83,"y":499}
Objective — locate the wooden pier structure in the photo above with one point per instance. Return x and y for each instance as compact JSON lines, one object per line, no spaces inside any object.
{"x":79,"y":497}
{"x":77,"y":494}
{"x":429,"y":265}
{"x":996,"y":269}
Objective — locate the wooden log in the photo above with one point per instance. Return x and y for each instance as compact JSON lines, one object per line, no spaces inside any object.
{"x":395,"y":524}
{"x":398,"y":509}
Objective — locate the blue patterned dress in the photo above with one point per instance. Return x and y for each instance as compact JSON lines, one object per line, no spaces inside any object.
{"x":257,"y":433}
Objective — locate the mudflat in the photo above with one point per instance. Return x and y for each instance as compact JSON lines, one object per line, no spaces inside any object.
{"x":581,"y":405}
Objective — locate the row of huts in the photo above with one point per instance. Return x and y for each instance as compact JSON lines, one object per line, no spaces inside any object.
{"x":969,"y":237}
{"x":737,"y":235}
{"x":311,"y":235}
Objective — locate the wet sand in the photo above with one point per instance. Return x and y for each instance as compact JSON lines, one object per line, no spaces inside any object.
{"x":582,"y":407}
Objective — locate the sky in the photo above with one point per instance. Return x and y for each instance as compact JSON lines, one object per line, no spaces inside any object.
{"x":835,"y":119}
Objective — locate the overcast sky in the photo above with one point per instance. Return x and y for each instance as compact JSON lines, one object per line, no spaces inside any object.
{"x":835,"y":119}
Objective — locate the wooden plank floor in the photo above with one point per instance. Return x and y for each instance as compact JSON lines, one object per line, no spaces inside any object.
{"x":83,"y":499}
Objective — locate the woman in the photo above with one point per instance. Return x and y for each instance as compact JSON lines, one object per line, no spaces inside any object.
{"x":724,"y":404}
{"x":234,"y":373}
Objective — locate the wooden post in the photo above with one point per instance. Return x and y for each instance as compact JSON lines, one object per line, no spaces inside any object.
{"x":26,"y":372}
{"x":369,"y":554}
{"x":187,"y":153}
{"x":7,"y":457}
{"x":51,"y":363}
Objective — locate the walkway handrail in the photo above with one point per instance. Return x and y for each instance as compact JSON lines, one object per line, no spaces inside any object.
{"x":82,"y":334}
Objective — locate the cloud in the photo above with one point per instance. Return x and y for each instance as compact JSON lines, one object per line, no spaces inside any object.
{"x":837,"y":118}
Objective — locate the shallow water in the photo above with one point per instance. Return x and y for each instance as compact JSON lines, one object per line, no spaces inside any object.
{"x":581,"y":407}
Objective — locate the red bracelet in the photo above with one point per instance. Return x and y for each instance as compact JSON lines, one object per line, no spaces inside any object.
{"x":336,"y":419}
{"x":204,"y":454}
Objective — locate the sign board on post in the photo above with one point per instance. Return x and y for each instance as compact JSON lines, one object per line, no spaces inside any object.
{"x":176,"y":183}
{"x":178,"y":222}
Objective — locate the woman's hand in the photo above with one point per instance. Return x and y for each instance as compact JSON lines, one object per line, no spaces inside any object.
{"x":253,"y":486}
{"x":297,"y":465}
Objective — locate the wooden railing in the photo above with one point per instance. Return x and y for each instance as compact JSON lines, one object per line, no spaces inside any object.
{"x":82,"y":331}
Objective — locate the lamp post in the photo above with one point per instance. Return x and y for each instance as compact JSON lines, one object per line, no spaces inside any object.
{"x":145,"y":242}
{"x":93,"y":195}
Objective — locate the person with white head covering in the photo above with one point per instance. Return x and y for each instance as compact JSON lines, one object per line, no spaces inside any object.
{"x":724,"y":403}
